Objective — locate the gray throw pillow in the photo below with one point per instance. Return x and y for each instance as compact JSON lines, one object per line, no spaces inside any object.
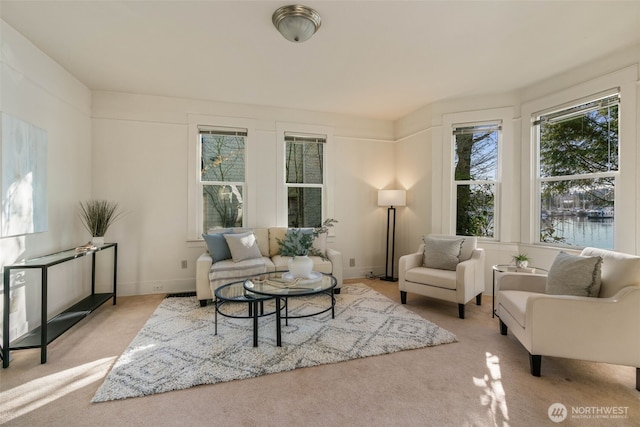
{"x":217,"y":245}
{"x":574,"y":275}
{"x":442,"y":253}
{"x":243,"y":246}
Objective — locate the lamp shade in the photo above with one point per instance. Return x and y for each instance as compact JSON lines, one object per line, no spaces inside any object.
{"x":392,"y":197}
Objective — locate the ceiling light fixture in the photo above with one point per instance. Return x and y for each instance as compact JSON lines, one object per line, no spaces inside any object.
{"x":296,"y":23}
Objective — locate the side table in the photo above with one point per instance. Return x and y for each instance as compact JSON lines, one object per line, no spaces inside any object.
{"x":51,"y":329}
{"x":504,"y":268}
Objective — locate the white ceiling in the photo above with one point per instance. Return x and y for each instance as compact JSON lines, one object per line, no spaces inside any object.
{"x":378,"y":59}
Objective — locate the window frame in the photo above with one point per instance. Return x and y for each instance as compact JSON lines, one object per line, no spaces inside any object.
{"x":540,"y":180}
{"x":444,"y":211}
{"x":217,"y":130}
{"x":493,"y":124}
{"x":194,"y":185}
{"x":321,"y":186}
{"x":282,"y":208}
{"x":627,"y":237}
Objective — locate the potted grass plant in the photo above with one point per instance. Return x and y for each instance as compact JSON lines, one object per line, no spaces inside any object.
{"x":97,"y":216}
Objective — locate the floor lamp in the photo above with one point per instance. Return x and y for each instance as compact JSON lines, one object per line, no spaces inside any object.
{"x":391,"y":198}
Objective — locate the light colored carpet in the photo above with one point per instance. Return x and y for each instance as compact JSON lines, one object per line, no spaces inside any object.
{"x":177,"y":348}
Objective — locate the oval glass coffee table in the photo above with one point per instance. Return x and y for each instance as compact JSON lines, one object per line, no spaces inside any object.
{"x":282,"y":286}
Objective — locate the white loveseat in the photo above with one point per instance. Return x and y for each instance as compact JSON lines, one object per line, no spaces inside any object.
{"x":211,"y":275}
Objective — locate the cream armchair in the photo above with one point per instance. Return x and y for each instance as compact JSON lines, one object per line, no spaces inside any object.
{"x":459,"y":285}
{"x":598,"y":329}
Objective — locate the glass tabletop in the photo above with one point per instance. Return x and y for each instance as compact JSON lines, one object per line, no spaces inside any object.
{"x":283,"y":284}
{"x":236,"y":292}
{"x":503,"y":268}
{"x":58,"y":257}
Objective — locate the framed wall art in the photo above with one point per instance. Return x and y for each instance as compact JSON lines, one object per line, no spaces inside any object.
{"x":23,"y":157}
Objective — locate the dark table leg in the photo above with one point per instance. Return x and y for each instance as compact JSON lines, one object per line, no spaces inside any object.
{"x":493,"y":296}
{"x":5,"y":315}
{"x":255,"y":323}
{"x":278,"y":318}
{"x":333,"y":304}
{"x":44,"y":332}
{"x":215,"y":315}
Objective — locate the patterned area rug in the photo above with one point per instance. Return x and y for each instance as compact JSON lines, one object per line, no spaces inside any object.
{"x":177,"y":348}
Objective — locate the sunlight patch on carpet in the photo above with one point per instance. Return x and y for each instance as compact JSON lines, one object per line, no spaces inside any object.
{"x":177,"y":349}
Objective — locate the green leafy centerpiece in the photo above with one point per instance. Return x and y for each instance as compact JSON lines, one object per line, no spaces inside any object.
{"x":299,"y":241}
{"x":298,"y":244}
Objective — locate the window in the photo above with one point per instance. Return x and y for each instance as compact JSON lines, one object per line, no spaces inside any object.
{"x":577,"y":172}
{"x":475,"y":178}
{"x":222,"y":176}
{"x":304,"y":178}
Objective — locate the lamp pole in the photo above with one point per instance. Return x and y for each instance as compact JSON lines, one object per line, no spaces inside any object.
{"x":393,"y":246}
{"x":391,"y":198}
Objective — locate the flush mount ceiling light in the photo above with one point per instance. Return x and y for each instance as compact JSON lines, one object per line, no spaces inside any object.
{"x":296,"y":23}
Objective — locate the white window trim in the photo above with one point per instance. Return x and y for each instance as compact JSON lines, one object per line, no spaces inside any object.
{"x":194,"y":195}
{"x":626,"y":209}
{"x":328,"y":174}
{"x":504,"y":188}
{"x":537,"y":204}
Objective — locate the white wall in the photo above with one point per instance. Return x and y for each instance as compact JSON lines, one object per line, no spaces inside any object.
{"x":134,"y":149}
{"x":423,"y":139}
{"x":140,"y":158}
{"x":37,"y":90}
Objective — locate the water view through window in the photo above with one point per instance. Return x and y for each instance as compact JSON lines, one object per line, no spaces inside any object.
{"x":581,"y":230}
{"x":578,"y":168}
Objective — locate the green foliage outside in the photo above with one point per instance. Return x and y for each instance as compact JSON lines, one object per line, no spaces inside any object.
{"x":476,"y":159}
{"x":581,"y":144}
{"x":222,"y":161}
{"x":304,"y":165}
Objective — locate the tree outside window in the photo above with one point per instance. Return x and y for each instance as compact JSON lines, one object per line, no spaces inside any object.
{"x":578,"y":167}
{"x":222,"y":177}
{"x":475,"y":178}
{"x":304,"y":178}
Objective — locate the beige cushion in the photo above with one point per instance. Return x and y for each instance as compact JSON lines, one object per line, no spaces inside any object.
{"x":262,"y":237}
{"x":619,"y":270}
{"x":515,"y":302}
{"x":442,"y":253}
{"x":227,"y":271}
{"x":574,"y":275}
{"x":468,"y":246}
{"x":276,"y":233}
{"x":434,"y":277}
{"x":243,"y":246}
{"x":320,"y":244}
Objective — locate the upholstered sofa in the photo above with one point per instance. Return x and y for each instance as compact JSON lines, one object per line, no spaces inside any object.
{"x":212,"y":273}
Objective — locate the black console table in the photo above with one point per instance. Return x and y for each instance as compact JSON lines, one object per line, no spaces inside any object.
{"x":53,"y":328}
